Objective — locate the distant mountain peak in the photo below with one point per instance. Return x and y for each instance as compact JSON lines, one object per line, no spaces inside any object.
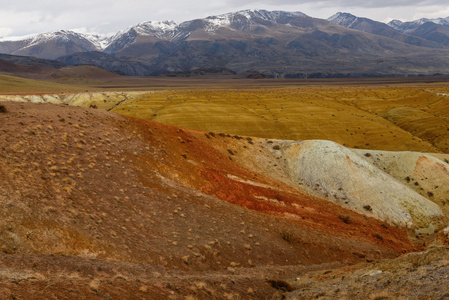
{"x":158,"y":28}
{"x":340,"y":15}
{"x":244,"y":19}
{"x":250,"y":14}
{"x":410,"y":26}
{"x":97,"y":41}
{"x":347,"y":20}
{"x":277,"y":43}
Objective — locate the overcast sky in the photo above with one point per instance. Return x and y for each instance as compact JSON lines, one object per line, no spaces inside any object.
{"x":25,"y":17}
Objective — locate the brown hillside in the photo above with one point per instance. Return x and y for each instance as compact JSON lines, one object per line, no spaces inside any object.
{"x":71,"y":74}
{"x":94,"y":204}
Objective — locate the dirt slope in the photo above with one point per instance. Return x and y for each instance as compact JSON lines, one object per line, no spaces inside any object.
{"x":123,"y":201}
{"x":414,"y":276}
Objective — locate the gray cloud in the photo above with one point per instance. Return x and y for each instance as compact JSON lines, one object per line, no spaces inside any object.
{"x":23,"y":17}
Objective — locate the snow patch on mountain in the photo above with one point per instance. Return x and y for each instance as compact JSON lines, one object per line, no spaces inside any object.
{"x":156,"y":28}
{"x":276,"y":15}
{"x":343,"y":19}
{"x":246,"y":18}
{"x":61,"y":35}
{"x":222,"y":20}
{"x":100,"y":41}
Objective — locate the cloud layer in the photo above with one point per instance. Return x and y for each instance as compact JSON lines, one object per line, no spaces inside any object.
{"x":24,"y":17}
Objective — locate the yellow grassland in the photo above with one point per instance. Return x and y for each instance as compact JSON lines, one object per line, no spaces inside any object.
{"x":12,"y":84}
{"x":386,"y":118}
{"x":378,"y":114}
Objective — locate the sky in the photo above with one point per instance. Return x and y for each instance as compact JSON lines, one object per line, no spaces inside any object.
{"x":106,"y":17}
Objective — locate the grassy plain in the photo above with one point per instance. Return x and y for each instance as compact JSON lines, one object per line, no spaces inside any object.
{"x":371,"y":117}
{"x":18,"y":85}
{"x":383,"y":113}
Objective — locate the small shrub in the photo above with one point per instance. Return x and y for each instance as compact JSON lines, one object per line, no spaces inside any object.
{"x":379,"y":236}
{"x":286,"y":235}
{"x":368,"y":208}
{"x":281,"y":285}
{"x":345,"y":218}
{"x":368,"y":154}
{"x":3,"y":109}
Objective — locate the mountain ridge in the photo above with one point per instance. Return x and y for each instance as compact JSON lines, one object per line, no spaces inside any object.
{"x":367,"y":25}
{"x":160,"y":28}
{"x":410,"y":25}
{"x":274,"y":43}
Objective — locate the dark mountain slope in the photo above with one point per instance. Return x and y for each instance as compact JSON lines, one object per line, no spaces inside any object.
{"x":272,"y":43}
{"x":382,"y":29}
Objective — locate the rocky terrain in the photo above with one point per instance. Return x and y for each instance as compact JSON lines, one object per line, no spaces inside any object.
{"x":412,"y":276}
{"x":99,"y":205}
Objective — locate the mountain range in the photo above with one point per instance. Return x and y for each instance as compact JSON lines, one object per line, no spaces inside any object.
{"x":269,"y":43}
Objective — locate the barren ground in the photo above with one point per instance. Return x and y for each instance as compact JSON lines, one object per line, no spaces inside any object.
{"x":96,"y":204}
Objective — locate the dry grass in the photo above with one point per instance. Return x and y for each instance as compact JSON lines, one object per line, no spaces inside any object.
{"x":360,"y":117}
{"x":10,"y":84}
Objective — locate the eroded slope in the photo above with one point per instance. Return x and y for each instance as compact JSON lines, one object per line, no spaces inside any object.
{"x":333,"y":172}
{"x":98,"y":186}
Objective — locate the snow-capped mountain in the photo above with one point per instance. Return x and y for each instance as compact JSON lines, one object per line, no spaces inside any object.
{"x":51,"y":45}
{"x":275,"y":43}
{"x":363,"y":24}
{"x":345,"y":19}
{"x":435,"y":30}
{"x":243,"y":20}
{"x":411,"y":26}
{"x":382,"y":29}
{"x":173,"y":32}
{"x":158,"y":30}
